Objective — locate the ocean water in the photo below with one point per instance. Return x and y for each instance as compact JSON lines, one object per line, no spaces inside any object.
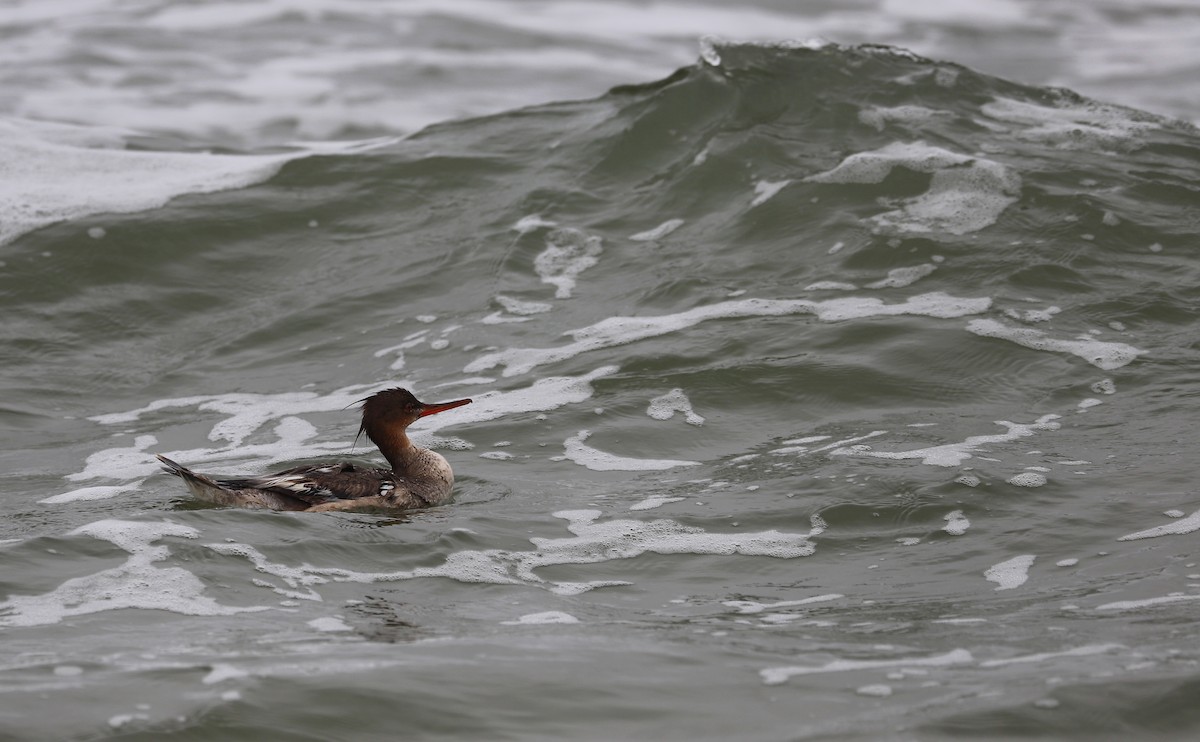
{"x":823,"y":389}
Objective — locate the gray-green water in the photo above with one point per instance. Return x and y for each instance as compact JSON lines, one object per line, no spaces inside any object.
{"x":820,"y":392}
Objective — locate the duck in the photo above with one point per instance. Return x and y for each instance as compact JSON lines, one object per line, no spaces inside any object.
{"x":418,"y":477}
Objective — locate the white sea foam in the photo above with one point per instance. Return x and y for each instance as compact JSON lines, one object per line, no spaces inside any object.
{"x":137,"y":583}
{"x":593,"y":541}
{"x":1027,"y":479}
{"x":966,"y":193}
{"x":222,"y":671}
{"x":119,"y":721}
{"x":1069,"y":125}
{"x":751,"y":607}
{"x":911,"y":116}
{"x":654,"y":501}
{"x":532,"y":222}
{"x":764,"y":190}
{"x":1105,"y":355}
{"x":568,"y":253}
{"x":496,"y":455}
{"x":900,"y":277}
{"x":102,"y":492}
{"x":107,"y":178}
{"x":539,"y":619}
{"x":953,"y":454}
{"x":1087,"y":650}
{"x":615,"y":331}
{"x":398,"y":362}
{"x":545,"y":394}
{"x":596,"y":460}
{"x":1032,"y":315}
{"x":658,"y":232}
{"x":830,"y":286}
{"x":516,"y":306}
{"x":1178,"y":527}
{"x":330,"y":624}
{"x":956,"y":523}
{"x":779,"y":675}
{"x":299,"y":581}
{"x":665,"y":406}
{"x":1129,"y":605}
{"x":1011,"y":573}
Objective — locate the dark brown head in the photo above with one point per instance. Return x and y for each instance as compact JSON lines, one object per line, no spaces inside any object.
{"x":391,"y":411}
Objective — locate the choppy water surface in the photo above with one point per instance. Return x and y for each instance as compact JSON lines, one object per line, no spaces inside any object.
{"x":820,"y":392}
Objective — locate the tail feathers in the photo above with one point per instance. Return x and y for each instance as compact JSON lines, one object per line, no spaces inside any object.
{"x":219,"y":493}
{"x":172,"y":467}
{"x":203,"y":487}
{"x":189,"y":476}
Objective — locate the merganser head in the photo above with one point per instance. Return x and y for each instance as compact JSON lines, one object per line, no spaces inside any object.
{"x":397,"y":408}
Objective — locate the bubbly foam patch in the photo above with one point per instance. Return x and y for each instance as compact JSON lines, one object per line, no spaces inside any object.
{"x":1011,"y":573}
{"x":830,"y":286}
{"x":516,"y":306}
{"x":765,"y":190}
{"x":137,"y":583}
{"x":1129,"y":605}
{"x":55,"y":173}
{"x":901,"y":277}
{"x":956,"y":523}
{"x":596,"y":460}
{"x":911,"y":116}
{"x":966,"y":193}
{"x":102,"y":492}
{"x":953,"y":454}
{"x":1087,"y":650}
{"x":592,"y":541}
{"x":222,"y":671}
{"x":615,"y":331}
{"x":658,"y":232}
{"x":751,"y":607}
{"x":538,"y":619}
{"x":1070,"y":125}
{"x":654,"y":501}
{"x":665,"y":406}
{"x":532,"y":223}
{"x":1101,"y":354}
{"x":329,"y":624}
{"x":1178,"y":527}
{"x":1032,"y":315}
{"x":779,"y":675}
{"x":1027,"y":479}
{"x":568,"y":253}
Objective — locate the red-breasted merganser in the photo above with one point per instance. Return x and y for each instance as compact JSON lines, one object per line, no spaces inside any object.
{"x":419,"y":478}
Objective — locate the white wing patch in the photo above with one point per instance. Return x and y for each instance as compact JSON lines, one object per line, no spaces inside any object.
{"x":293,"y":483}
